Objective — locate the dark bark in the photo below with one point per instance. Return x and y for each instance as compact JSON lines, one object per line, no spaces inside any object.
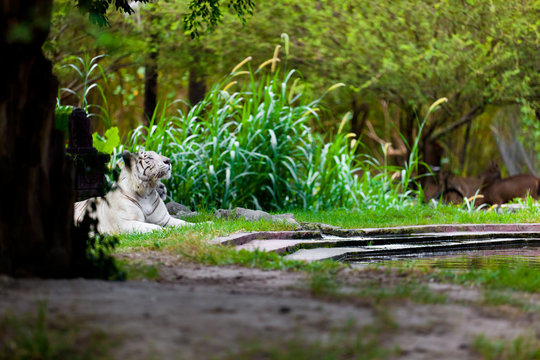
{"x":197,"y":82}
{"x":410,"y":119}
{"x":359,"y":117}
{"x":36,"y":178}
{"x":407,"y":126}
{"x":150,"y":85}
{"x":89,"y":165}
{"x":463,"y":156}
{"x":431,"y":154}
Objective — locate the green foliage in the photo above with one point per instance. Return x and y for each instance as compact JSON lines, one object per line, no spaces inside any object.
{"x":93,"y":251}
{"x":36,"y":337}
{"x":204,"y":15}
{"x":520,"y":348}
{"x":521,"y":276}
{"x":138,"y":270}
{"x":84,"y":67}
{"x":324,"y":284}
{"x":61,"y":117}
{"x":341,"y":345}
{"x":192,"y":244}
{"x":253,"y":148}
{"x":106,"y":144}
{"x":404,"y":52}
{"x":97,"y":9}
{"x":416,"y":214}
{"x":99,"y":262}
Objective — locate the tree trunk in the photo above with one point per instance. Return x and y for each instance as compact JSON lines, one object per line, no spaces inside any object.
{"x":36,"y":179}
{"x":463,"y":156}
{"x":197,"y":84}
{"x":359,"y":117}
{"x":151,"y":82}
{"x":407,"y":128}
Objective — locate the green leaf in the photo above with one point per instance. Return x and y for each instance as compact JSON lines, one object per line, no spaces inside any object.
{"x":107,"y":143}
{"x":61,"y":117}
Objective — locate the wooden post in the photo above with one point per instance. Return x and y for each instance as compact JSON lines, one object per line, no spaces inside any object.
{"x":90,"y":165}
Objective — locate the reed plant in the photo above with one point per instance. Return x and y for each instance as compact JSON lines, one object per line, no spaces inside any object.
{"x":250,"y":143}
{"x":85,"y":68}
{"x":383,"y":186}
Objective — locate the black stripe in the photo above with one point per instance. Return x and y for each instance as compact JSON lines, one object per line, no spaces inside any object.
{"x":155,"y":205}
{"x":131,"y":199}
{"x":163,"y":218}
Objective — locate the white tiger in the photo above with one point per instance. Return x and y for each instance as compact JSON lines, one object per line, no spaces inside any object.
{"x":133,"y":204}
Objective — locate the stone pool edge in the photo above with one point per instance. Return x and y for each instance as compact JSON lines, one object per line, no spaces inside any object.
{"x":315,"y":235}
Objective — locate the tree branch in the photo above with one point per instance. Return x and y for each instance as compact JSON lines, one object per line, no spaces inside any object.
{"x":474,"y":112}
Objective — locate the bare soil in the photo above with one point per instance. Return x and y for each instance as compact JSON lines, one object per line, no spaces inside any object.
{"x":201,"y":312}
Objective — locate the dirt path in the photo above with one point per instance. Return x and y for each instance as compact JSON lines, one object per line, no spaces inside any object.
{"x":197,"y":312}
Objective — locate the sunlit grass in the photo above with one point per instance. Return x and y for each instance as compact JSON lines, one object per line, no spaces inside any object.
{"x":191,"y":244}
{"x":418,"y":214}
{"x":200,"y":232}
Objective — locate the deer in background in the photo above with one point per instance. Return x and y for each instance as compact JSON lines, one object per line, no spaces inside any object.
{"x":500,"y":191}
{"x":454,"y":189}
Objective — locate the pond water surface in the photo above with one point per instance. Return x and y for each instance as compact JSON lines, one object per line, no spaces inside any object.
{"x":462,"y":260}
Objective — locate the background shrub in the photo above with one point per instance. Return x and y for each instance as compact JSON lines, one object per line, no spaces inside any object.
{"x":255,"y":148}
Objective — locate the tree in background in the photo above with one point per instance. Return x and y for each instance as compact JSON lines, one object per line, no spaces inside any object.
{"x":400,"y":56}
{"x":396,"y":56}
{"x":36,"y":217}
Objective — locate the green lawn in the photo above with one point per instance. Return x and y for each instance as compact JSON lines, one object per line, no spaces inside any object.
{"x":417,"y":215}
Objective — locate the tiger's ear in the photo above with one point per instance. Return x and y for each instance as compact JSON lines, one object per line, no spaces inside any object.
{"x":141,"y":151}
{"x":126,"y":155}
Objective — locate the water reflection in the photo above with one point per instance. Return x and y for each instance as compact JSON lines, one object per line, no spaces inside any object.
{"x":474,"y":259}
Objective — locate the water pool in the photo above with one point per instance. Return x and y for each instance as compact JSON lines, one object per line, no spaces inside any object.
{"x":458,"y":260}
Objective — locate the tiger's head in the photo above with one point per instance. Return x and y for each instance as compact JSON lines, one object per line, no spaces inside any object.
{"x":147,"y":166}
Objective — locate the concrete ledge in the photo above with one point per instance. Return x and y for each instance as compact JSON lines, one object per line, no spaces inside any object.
{"x":359,"y":253}
{"x":533,"y":227}
{"x":242,"y":238}
{"x":345,"y":244}
{"x":283,"y":246}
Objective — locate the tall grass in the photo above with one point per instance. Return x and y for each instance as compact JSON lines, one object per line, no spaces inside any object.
{"x":382,"y":186}
{"x":249,"y":143}
{"x":84,"y":68}
{"x":253,"y":147}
